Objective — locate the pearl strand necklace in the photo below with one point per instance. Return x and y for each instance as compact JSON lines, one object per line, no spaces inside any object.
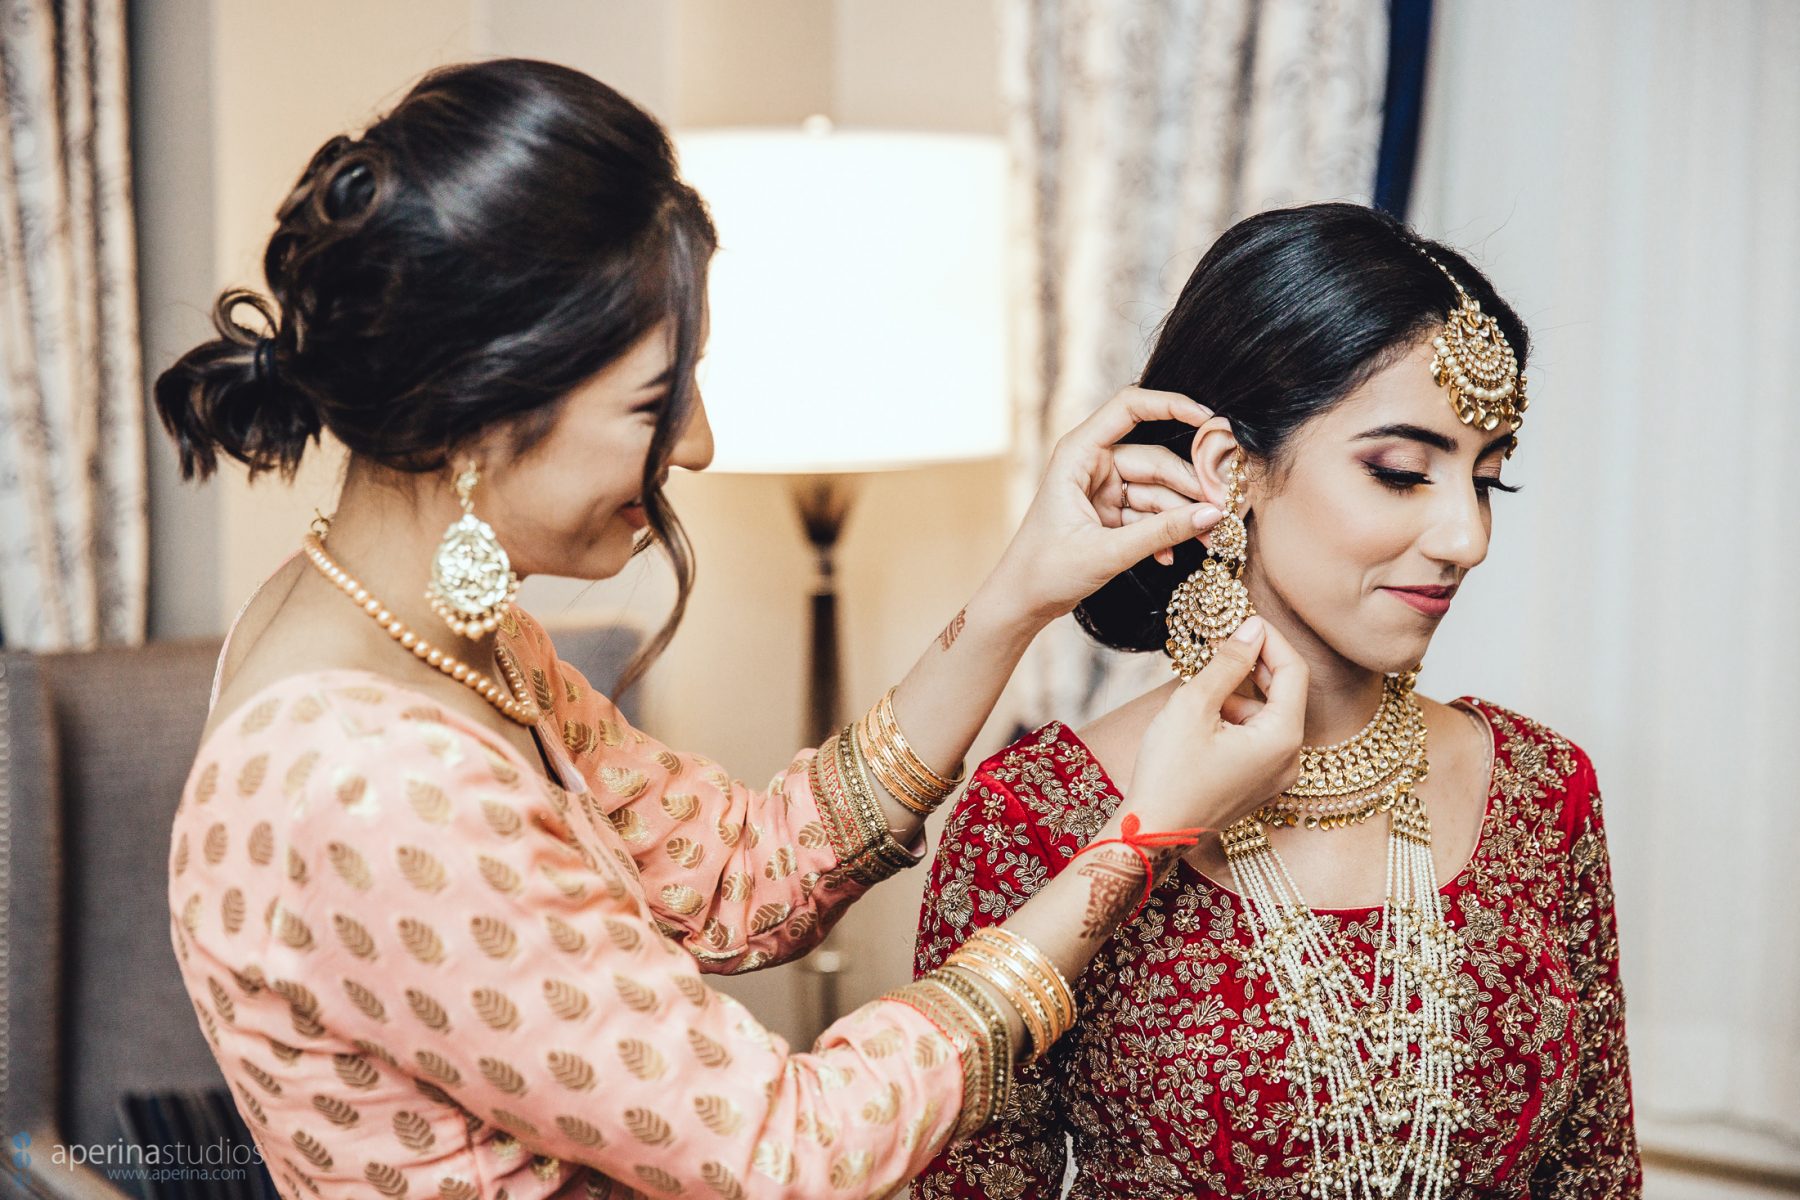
{"x":1379,"y":1062}
{"x":523,"y":712}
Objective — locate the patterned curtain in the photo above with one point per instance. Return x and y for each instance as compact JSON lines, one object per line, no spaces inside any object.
{"x":72,"y":491}
{"x":1140,"y":130}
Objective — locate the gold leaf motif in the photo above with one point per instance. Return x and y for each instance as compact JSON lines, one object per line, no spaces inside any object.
{"x":851,"y":1169}
{"x":883,"y":1109}
{"x":207,"y":785}
{"x":250,"y":1104}
{"x":668,"y":762}
{"x":659,"y":1179}
{"x":503,"y":1075}
{"x":717,"y":934}
{"x":495,"y":1009}
{"x":356,"y":939}
{"x":438,"y":1095}
{"x":754,"y":832}
{"x":685,"y":852}
{"x":504,"y":772}
{"x":366,"y":1000}
{"x":719,"y":1114}
{"x":181,"y":854}
{"x":438,"y":1067}
{"x":307,"y":709}
{"x":262,"y":844}
{"x":335,"y":1110}
{"x":571,"y":689}
{"x":425,"y":1006}
{"x":355,"y":1070}
{"x":648,"y":1128}
{"x":385,"y":1179}
{"x":352,"y":790}
{"x":768,"y":916}
{"x":568,"y":939}
{"x":571,"y":1070}
{"x":579,"y":738}
{"x":349,"y":865}
{"x":710,"y":1053}
{"x":501,"y":819}
{"x":296,"y":866}
{"x":781,"y":863}
{"x":421,"y":940}
{"x":495,"y":937}
{"x":774,"y":1161}
{"x":450,"y":1188}
{"x":513,"y":1121}
{"x":720,"y":1179}
{"x":214,"y":845}
{"x":624,"y":936}
{"x":569,"y":885}
{"x":623,"y":782}
{"x":929,"y":1051}
{"x":231,"y":910}
{"x":727,"y":832}
{"x":811,"y":835}
{"x":283,"y":1051}
{"x":629,"y":824}
{"x":313,"y":1151}
{"x":250,"y":777}
{"x":376,"y":1050}
{"x":683,"y":900}
{"x":636,"y":996}
{"x":499,"y":876}
{"x":885,"y":1044}
{"x":221,"y":998}
{"x":428,"y":801}
{"x":294,"y":932}
{"x":693,"y":989}
{"x":263,"y":1080}
{"x":361,"y":693}
{"x":565,"y":999}
{"x":540,"y":689}
{"x":414,"y":1132}
{"x":801,"y":927}
{"x":580,"y":1131}
{"x":298,"y":772}
{"x":681,"y":806}
{"x":737,"y":886}
{"x":420,"y":868}
{"x":642,"y":1059}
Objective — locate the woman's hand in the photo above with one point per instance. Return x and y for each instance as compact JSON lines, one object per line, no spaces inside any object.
{"x":1211,"y":756}
{"x":1103,"y":507}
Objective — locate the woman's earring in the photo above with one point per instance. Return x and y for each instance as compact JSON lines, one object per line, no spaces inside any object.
{"x":1210,"y":604}
{"x":472,"y":580}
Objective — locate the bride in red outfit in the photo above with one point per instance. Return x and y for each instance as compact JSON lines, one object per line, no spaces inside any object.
{"x":1298,"y":1008}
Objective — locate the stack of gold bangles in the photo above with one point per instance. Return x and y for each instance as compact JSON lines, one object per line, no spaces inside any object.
{"x":844,"y":773}
{"x":960,"y":998}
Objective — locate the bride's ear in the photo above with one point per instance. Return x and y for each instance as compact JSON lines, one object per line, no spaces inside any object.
{"x":1214,"y":446}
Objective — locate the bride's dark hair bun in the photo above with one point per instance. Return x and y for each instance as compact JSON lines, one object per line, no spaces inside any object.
{"x":1288,"y":313}
{"x":503,"y":234}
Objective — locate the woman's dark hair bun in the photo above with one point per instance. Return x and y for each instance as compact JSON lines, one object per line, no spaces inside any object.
{"x":1287,"y":313}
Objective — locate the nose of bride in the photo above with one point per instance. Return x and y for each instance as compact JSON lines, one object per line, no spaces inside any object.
{"x":693,"y":450}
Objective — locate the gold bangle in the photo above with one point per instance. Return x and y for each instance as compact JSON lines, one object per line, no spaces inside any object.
{"x":993,"y":1016}
{"x":1010,"y":981}
{"x":890,"y":729}
{"x":879,"y":845}
{"x":1056,"y":984}
{"x":911,"y":782}
{"x":882,"y":766}
{"x":984,"y":1047}
{"x":835,"y":811}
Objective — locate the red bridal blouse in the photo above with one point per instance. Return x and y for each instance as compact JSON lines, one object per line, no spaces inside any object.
{"x":1164,"y":1088}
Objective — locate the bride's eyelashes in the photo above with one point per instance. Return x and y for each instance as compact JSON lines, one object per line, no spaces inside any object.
{"x":1400,"y":480}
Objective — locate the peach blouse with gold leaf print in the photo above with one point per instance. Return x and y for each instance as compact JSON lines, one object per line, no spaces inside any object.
{"x":426,"y":971}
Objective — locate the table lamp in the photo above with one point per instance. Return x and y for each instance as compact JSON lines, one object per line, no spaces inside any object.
{"x":858,"y":321}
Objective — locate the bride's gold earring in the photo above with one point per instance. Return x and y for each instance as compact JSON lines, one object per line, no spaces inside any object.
{"x":1210,"y":604}
{"x":472,"y":580}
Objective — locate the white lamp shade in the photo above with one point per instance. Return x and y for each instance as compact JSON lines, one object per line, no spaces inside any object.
{"x":857,"y":298}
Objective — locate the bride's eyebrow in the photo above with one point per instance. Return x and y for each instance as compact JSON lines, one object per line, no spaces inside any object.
{"x":1412,"y":433}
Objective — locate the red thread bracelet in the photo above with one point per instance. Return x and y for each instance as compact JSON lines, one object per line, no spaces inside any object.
{"x":1135,"y":841}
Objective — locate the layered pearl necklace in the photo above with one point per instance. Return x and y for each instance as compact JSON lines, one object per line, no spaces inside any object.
{"x":513,"y":701}
{"x":1365,"y":1060}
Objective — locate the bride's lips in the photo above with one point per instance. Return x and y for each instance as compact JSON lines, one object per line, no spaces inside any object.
{"x":1432,"y":601}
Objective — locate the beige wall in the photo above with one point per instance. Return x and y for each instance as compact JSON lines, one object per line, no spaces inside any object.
{"x":234,"y":95}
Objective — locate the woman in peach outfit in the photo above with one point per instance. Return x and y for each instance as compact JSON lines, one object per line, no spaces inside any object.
{"x":444,"y":914}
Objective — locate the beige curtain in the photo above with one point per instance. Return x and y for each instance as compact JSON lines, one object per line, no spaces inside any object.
{"x":72,"y":498}
{"x":1140,"y":130}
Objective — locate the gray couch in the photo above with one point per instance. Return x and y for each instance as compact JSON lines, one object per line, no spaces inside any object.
{"x":94,"y":749}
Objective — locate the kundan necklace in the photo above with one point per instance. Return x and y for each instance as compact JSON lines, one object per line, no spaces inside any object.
{"x":506,"y":699}
{"x":1373,"y":1065}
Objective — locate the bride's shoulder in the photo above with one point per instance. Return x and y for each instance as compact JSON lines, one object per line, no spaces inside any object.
{"x":1534,"y":767}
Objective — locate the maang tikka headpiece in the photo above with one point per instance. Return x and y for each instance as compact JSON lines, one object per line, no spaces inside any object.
{"x":1477,"y":364}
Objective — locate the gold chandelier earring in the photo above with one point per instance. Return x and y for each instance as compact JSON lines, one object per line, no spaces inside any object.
{"x":472,"y":580}
{"x":1210,"y":604}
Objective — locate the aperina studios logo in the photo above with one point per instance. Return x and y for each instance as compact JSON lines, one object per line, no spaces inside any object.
{"x":121,"y":1160}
